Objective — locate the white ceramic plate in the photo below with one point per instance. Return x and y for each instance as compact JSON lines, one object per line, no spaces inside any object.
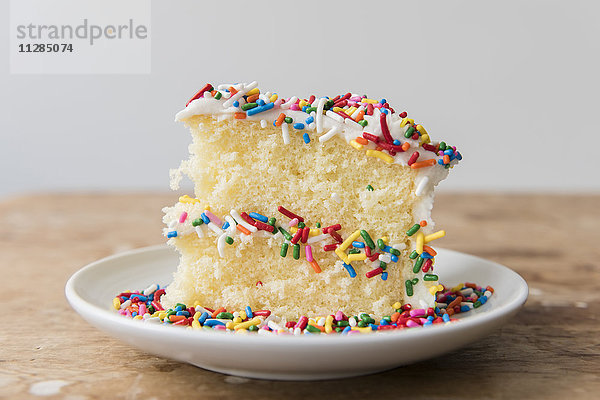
{"x":91,"y":290}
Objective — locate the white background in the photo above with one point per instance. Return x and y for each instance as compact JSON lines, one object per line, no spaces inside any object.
{"x":513,"y":84}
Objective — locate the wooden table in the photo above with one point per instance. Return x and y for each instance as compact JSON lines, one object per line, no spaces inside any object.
{"x":549,"y":351}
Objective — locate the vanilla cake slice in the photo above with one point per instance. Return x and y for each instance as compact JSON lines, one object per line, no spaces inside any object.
{"x":305,"y":206}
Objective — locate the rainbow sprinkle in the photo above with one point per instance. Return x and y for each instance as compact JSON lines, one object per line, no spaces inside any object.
{"x":145,"y":305}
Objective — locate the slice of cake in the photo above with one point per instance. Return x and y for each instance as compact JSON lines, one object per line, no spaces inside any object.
{"x":305,"y":206}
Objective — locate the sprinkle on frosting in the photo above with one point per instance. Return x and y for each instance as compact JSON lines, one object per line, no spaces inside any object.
{"x":367,"y":124}
{"x":304,"y":239}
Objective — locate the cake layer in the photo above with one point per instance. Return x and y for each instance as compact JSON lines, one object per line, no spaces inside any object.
{"x":251,"y":271}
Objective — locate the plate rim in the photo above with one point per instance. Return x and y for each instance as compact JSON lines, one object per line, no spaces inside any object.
{"x":88,"y":311}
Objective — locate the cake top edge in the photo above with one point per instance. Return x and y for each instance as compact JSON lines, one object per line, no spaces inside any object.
{"x":365,"y":123}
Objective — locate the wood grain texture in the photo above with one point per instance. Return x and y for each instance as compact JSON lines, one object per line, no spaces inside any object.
{"x":550,"y":350}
